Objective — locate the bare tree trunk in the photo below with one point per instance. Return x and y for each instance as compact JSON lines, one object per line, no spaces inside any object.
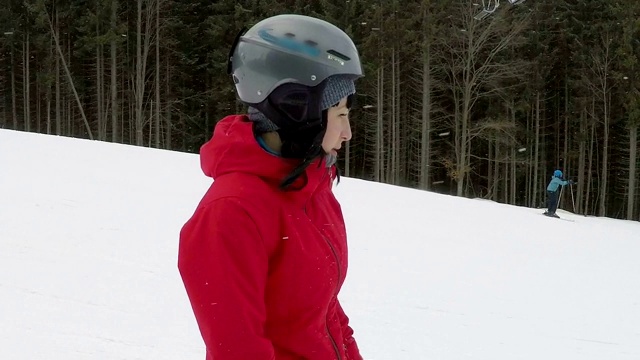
{"x":99,"y":73}
{"x":605,"y":158}
{"x":565,"y":156}
{"x":398,"y":114}
{"x":490,"y":164}
{"x":14,"y":109}
{"x":512,"y":201}
{"x":48,"y":99}
{"x":536,"y":155}
{"x":114,"y":69}
{"x":457,"y":123}
{"x":150,"y":137}
{"x":393,"y":168}
{"x":468,"y":184}
{"x":48,"y":91}
{"x":379,"y":163}
{"x":529,"y":172}
{"x":425,"y":143}
{"x":142,"y":53}
{"x":67,"y":116}
{"x":581,"y":160}
{"x":67,"y":130}
{"x":128,"y":83}
{"x":496,"y":173}
{"x":132,"y":110}
{"x":590,"y":168}
{"x":633,"y":148}
{"x":58,"y":95}
{"x":557,"y":153}
{"x":463,"y":135}
{"x":158,"y":123}
{"x":26,"y":84}
{"x":38,"y":108}
{"x":167,"y":116}
{"x":139,"y":91}
{"x":505,"y":189}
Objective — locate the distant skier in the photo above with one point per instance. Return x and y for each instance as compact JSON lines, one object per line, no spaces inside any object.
{"x":553,"y":191}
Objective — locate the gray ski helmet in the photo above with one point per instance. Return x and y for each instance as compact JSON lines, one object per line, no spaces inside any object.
{"x":290,"y":49}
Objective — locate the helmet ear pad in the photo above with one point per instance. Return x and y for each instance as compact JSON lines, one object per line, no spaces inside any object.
{"x":299,"y":105}
{"x":297,"y":111}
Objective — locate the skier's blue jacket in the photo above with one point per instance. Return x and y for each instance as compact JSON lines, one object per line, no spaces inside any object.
{"x":555,"y":183}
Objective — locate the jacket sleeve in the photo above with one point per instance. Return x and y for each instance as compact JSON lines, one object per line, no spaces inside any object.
{"x":224,"y":264}
{"x":556,"y":183}
{"x":351,"y":347}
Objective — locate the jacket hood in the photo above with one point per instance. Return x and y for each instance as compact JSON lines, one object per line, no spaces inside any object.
{"x":233,"y":148}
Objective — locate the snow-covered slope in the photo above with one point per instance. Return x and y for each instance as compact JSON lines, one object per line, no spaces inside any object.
{"x":88,"y":253}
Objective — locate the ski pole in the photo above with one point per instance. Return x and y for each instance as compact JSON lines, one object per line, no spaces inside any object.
{"x":573,"y":202}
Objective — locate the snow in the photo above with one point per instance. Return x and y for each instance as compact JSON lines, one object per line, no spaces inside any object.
{"x":88,"y":254}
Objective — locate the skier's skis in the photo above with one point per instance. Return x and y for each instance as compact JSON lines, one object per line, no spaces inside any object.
{"x":556,"y":217}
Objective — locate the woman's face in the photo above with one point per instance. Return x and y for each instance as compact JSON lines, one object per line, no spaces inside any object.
{"x":338,"y":128}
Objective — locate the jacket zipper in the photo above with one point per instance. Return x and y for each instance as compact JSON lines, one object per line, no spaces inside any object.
{"x":335,"y":256}
{"x":333,"y":342}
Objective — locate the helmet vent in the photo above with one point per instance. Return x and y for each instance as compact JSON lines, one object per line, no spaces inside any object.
{"x":311,"y":43}
{"x":339,"y":55}
{"x":290,"y":35}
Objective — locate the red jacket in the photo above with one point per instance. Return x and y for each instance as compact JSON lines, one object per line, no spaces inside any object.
{"x":263,"y":267}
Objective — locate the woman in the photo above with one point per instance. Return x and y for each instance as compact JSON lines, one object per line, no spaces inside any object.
{"x":264,"y":255}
